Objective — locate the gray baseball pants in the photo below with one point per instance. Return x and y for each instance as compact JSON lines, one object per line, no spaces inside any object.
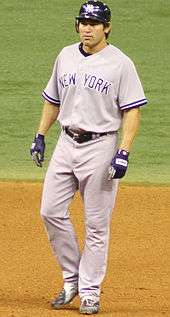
{"x":82,"y":167}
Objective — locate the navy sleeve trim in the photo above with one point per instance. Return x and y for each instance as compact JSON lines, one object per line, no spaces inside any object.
{"x":50,"y":99}
{"x":134,"y":104}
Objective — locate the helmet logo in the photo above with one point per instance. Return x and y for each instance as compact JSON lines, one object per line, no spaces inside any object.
{"x":89,"y":8}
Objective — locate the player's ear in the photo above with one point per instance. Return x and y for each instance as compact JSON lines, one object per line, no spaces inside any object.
{"x":107,"y":29}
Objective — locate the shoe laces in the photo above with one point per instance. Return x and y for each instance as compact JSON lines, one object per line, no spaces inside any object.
{"x":90,"y":302}
{"x":69,"y":287}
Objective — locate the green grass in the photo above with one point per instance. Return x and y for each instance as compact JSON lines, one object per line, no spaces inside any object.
{"x":33,"y":32}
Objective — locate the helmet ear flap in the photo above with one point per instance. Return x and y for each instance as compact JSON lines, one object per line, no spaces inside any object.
{"x":77,"y":26}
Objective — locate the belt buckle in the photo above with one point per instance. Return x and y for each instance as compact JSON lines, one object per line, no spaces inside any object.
{"x":75,"y":136}
{"x":78,"y":138}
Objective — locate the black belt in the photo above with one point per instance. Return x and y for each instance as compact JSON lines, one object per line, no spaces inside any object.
{"x":82,"y":136}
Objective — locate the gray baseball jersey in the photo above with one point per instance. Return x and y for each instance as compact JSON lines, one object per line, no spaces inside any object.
{"x":93,"y":90}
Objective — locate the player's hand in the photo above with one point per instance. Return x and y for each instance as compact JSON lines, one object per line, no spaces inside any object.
{"x":119,"y":164}
{"x":37,"y":149}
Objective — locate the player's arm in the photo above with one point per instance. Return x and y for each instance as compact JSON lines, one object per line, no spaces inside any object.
{"x":49,"y":116}
{"x":130,"y":126}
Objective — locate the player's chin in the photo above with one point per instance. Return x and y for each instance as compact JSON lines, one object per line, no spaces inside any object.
{"x":88,"y":42}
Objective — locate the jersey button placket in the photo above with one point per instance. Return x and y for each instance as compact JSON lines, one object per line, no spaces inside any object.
{"x":78,"y":94}
{"x":79,"y":78}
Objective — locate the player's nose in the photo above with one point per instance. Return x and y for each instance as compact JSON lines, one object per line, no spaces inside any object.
{"x":88,"y":28}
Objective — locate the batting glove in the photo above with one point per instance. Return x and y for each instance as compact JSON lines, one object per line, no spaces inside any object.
{"x":119,"y":164}
{"x":37,"y":149}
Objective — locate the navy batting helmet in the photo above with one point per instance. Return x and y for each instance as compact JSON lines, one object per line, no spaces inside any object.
{"x":94,"y":10}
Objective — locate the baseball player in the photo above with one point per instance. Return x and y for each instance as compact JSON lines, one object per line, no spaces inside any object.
{"x":94,"y":90}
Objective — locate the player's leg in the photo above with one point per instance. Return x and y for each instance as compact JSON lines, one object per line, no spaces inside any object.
{"x":99,"y":197}
{"x":60,"y":186}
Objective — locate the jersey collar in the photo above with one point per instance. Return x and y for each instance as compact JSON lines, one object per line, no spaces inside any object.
{"x":82,"y":51}
{"x":88,"y":54}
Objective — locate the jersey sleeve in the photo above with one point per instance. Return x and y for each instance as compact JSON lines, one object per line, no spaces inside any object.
{"x":131,"y":94}
{"x":50,"y":93}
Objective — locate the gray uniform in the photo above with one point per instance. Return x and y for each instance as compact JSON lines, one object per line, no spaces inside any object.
{"x":92,"y":92}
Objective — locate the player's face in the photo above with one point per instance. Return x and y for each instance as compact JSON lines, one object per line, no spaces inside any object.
{"x":92,"y":35}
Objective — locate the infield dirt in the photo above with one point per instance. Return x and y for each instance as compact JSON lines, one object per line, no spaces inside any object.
{"x":137,"y":283}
